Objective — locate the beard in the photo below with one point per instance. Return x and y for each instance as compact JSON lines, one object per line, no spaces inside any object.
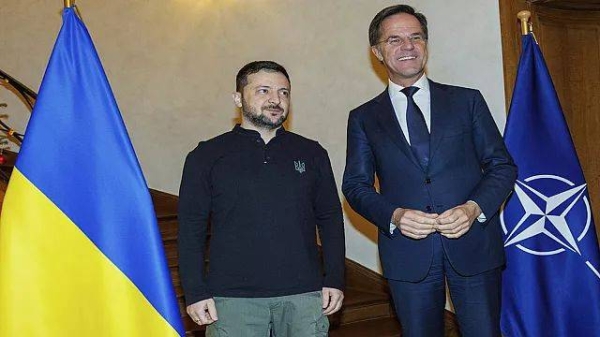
{"x":260,"y":120}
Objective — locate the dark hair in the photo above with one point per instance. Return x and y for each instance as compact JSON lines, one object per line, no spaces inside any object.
{"x":241,"y":80}
{"x":393,"y":10}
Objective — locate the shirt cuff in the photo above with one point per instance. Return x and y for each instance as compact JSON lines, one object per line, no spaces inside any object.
{"x":392,"y":228}
{"x":482,"y":218}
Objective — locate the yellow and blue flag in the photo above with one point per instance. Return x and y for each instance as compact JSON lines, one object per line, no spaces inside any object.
{"x":80,"y":250}
{"x":551,"y":285}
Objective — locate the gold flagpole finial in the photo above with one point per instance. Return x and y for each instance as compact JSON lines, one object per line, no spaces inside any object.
{"x":524,"y":18}
{"x":69,"y":3}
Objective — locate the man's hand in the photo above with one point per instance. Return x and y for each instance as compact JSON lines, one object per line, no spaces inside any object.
{"x":203,"y":312}
{"x":414,"y":224}
{"x":332,"y":300}
{"x":456,"y":221}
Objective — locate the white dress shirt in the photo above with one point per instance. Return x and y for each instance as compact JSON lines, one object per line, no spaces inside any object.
{"x":422,"y":98}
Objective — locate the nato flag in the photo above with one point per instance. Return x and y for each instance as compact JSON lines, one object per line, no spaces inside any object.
{"x":551,"y":285}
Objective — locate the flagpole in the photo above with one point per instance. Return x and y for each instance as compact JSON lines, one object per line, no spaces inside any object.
{"x":71,"y":4}
{"x":524,"y":18}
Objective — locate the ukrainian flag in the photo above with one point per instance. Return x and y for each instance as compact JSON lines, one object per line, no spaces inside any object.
{"x":80,"y":251}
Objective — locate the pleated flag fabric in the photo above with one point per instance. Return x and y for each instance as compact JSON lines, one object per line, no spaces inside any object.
{"x":80,"y":250}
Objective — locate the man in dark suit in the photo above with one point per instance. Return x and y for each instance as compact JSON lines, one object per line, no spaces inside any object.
{"x":443,"y":173}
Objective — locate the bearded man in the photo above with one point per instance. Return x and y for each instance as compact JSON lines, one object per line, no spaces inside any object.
{"x":266,"y":191}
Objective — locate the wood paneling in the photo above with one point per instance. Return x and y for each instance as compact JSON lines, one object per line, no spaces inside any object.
{"x":511,"y":42}
{"x":569,"y":4}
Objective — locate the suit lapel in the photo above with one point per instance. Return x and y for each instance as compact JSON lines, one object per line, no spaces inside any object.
{"x":389,"y":123}
{"x":441,"y":103}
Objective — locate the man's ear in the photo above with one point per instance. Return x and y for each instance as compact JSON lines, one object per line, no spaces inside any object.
{"x":237,"y":99}
{"x":377,"y":53}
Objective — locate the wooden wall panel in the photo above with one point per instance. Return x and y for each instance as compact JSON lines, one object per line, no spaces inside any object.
{"x":511,"y":42}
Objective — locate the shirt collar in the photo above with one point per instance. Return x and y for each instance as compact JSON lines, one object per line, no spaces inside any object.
{"x":253,"y":133}
{"x":394,"y":89}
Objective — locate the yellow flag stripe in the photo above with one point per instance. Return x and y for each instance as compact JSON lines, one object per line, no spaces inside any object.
{"x":55,"y":282}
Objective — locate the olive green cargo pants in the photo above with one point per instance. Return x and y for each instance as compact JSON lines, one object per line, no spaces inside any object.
{"x":286,"y":316}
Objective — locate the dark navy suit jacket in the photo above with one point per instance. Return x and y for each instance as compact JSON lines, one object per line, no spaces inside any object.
{"x":468,"y":161}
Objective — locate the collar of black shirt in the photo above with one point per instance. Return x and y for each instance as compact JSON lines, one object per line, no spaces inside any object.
{"x":253,"y":133}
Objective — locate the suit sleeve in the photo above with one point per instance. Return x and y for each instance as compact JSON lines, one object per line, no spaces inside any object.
{"x":359,"y":178}
{"x":499,"y":170}
{"x":194,"y":209}
{"x":330,"y":223}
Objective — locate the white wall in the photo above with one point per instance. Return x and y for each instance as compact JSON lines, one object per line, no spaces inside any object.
{"x":172,"y":65}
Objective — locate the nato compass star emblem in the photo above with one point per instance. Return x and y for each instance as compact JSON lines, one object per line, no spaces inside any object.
{"x":549,"y":216}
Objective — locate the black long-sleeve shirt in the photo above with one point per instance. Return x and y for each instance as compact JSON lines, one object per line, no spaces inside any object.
{"x":264,"y":203}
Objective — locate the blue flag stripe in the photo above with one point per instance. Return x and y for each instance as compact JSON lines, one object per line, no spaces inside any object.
{"x":80,"y":156}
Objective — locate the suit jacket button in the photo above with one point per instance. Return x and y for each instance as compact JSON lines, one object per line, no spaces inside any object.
{"x":427,"y":181}
{"x":428,"y":208}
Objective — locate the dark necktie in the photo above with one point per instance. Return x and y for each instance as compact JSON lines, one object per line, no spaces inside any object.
{"x":417,"y":129}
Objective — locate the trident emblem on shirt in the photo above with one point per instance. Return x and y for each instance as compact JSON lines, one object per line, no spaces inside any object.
{"x":299,"y":165}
